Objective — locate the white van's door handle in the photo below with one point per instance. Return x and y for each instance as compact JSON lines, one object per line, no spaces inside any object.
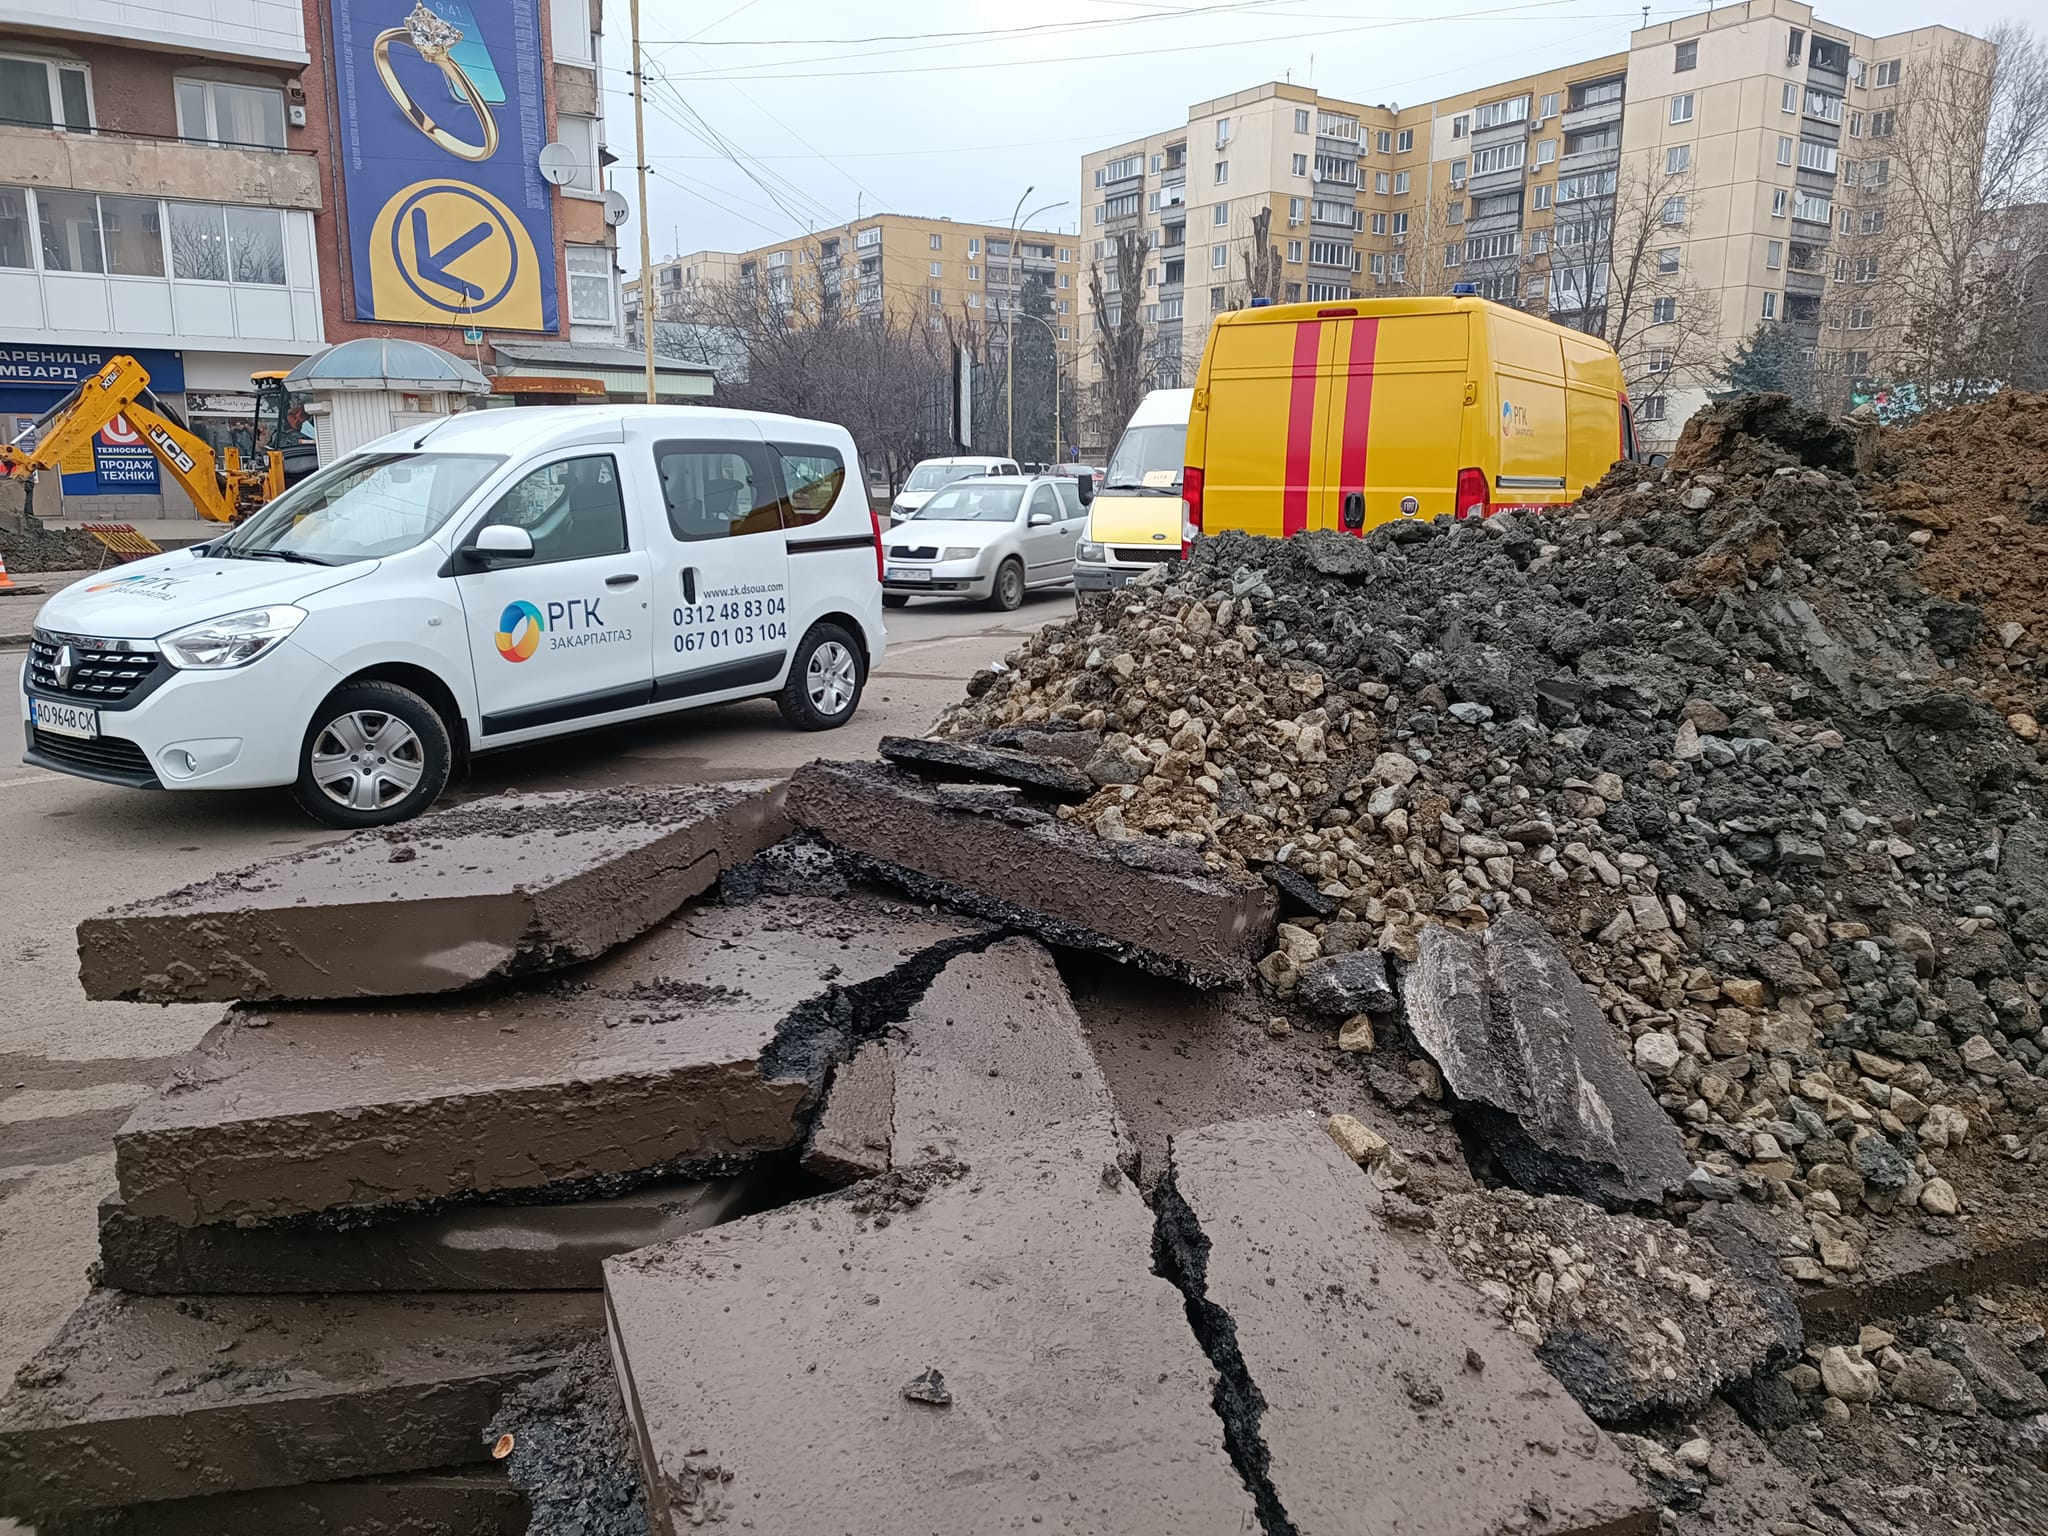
{"x":625,"y":580}
{"x":689,"y":584}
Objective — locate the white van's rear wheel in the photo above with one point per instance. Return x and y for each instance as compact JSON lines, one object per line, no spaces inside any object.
{"x":376,"y":753}
{"x":825,"y":680}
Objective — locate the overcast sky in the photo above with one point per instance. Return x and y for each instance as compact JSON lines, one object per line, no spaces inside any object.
{"x":954,"y":107}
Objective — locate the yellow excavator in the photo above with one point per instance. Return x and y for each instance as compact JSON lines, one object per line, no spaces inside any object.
{"x":223,"y":490}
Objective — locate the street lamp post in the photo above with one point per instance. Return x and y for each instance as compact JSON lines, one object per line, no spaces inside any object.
{"x":1016,"y":271}
{"x":1010,"y":340}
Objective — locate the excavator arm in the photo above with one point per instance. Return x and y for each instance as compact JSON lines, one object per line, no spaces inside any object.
{"x":121,"y":388}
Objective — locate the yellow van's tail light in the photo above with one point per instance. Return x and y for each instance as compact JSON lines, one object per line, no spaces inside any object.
{"x":1191,"y":499}
{"x":1471,"y":493}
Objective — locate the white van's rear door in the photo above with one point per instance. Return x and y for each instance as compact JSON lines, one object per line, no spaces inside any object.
{"x":721,"y":572}
{"x":563,"y":636}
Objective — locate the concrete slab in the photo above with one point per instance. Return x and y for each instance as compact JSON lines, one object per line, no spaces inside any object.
{"x":468,"y":1502}
{"x":992,"y":1051}
{"x":547,"y":1246}
{"x":1362,"y":1387}
{"x":697,"y":1049}
{"x":987,"y":852}
{"x":1047,"y":776}
{"x":1538,"y":1072}
{"x":144,"y":1398}
{"x":500,"y":887}
{"x":765,"y":1361}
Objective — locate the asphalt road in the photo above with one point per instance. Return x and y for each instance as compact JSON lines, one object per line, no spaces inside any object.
{"x":70,"y":1070}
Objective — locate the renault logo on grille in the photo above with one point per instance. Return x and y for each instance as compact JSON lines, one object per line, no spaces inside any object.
{"x":66,"y":660}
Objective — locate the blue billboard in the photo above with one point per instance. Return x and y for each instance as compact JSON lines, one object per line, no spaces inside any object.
{"x":443,"y":117}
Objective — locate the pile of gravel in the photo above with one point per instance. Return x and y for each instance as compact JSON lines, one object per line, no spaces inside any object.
{"x":1709,"y":726}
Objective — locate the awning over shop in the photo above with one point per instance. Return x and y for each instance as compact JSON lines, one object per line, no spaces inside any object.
{"x":543,"y":384}
{"x":620,"y":370}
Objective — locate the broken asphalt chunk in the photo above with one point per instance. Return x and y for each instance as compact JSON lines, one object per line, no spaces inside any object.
{"x":1329,"y":1324}
{"x":500,"y":887}
{"x":1147,"y":903}
{"x":993,"y":1050}
{"x":764,"y":1362}
{"x":1536,"y":1069}
{"x":699,"y":1048}
{"x":475,"y":1501}
{"x":1051,"y":777}
{"x":153,"y":1397}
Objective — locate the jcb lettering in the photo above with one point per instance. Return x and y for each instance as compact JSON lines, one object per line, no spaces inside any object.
{"x":168,"y":446}
{"x":575,"y":613}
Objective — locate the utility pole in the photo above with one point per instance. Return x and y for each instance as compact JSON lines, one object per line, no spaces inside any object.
{"x":640,"y":154}
{"x":1014,"y":275}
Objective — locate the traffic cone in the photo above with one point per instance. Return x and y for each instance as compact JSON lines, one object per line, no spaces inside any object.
{"x":6,"y":581}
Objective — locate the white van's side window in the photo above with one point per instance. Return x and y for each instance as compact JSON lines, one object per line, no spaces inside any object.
{"x":717,"y":490}
{"x":813,"y":477}
{"x":571,"y":509}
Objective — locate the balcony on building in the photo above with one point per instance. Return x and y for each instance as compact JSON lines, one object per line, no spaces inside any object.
{"x":1591,"y":103}
{"x":1492,"y":223}
{"x":256,"y":31}
{"x":1813,"y":283}
{"x":1496,"y":181}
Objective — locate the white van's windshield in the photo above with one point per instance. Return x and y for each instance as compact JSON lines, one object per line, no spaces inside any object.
{"x":362,"y":508}
{"x":1149,"y":459}
{"x":932,"y":477}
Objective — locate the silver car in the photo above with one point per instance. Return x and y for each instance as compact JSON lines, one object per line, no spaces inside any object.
{"x":990,"y":539}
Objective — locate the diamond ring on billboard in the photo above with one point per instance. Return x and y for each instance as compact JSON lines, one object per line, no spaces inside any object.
{"x":432,"y":37}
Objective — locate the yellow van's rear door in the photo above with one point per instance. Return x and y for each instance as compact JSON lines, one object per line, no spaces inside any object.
{"x":1395,"y":415}
{"x":1529,"y":386}
{"x":1260,"y":470}
{"x":1593,"y":405}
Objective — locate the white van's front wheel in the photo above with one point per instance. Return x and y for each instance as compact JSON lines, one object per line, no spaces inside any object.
{"x":825,"y":679}
{"x":377,"y":753}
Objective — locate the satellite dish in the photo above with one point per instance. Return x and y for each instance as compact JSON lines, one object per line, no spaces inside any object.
{"x":558,"y":165}
{"x":616,"y":209}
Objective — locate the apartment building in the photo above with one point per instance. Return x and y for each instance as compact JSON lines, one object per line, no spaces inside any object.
{"x":1724,"y":171}
{"x":916,"y":271}
{"x":158,"y":196}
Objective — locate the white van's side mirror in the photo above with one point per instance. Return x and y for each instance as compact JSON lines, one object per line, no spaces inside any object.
{"x":500,"y":541}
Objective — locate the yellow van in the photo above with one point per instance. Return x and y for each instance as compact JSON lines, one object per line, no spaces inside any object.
{"x":1351,"y":414}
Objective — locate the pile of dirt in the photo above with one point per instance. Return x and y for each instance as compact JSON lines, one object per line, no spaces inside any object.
{"x":1710,"y":726}
{"x":1971,"y":485}
{"x":28,"y":546}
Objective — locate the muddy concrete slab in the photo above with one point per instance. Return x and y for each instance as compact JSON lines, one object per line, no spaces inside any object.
{"x":992,"y":1051}
{"x":701,"y":1047}
{"x":766,"y":1361}
{"x":1362,"y":1387}
{"x":543,"y":1246}
{"x":468,"y":1501}
{"x":500,"y":887}
{"x":143,"y":1398}
{"x":988,"y":852}
{"x":1050,"y":777}
{"x":1538,"y":1072}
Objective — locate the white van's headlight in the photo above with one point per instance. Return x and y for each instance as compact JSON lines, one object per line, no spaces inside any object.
{"x":233,"y":641}
{"x":1094,"y":554}
{"x":959,"y":552}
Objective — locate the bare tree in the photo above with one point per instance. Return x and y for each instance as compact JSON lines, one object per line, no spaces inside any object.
{"x":1938,"y":266}
{"x":1125,"y":368}
{"x":1261,"y":258}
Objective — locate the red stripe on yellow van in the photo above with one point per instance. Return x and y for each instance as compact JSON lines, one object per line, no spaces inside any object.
{"x":1301,"y":427}
{"x":1365,"y":338}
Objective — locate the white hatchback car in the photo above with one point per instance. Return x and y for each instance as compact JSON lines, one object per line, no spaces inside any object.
{"x":480,"y":582}
{"x":991,"y":538}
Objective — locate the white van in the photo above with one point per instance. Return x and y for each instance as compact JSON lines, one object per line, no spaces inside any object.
{"x":481,"y":582}
{"x":931,"y":476}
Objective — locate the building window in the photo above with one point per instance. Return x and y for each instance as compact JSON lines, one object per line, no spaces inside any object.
{"x":1460,"y":126}
{"x":1294,"y":250}
{"x":1330,"y":253}
{"x":69,"y":223}
{"x":873,"y":237}
{"x":1546,"y":151}
{"x":1817,"y":157}
{"x":1667,"y":261}
{"x":1539,"y":241}
{"x":1301,"y":119}
{"x":1379,"y":223}
{"x":1650,"y":409}
{"x":1770,"y":306}
{"x":1493,"y":247}
{"x":1549,"y":108}
{"x":1066,"y":280}
{"x":1795,"y":48}
{"x":1572,"y":189}
{"x":1496,"y":114}
{"x":590,"y":284}
{"x":1860,"y":317}
{"x":1881,"y":124}
{"x":1158,"y":164}
{"x":580,"y":135}
{"x":1301,"y":165}
{"x":133,"y":231}
{"x":937,"y":268}
{"x":1824,"y":105}
{"x":1502,"y":157}
{"x":1404,"y":141}
{"x":214,"y":112}
{"x":936,"y":297}
{"x":1674,"y":210}
{"x":1785,"y":147}
{"x":1222,"y":131}
{"x":1542,"y":200}
{"x":1686,"y":56}
{"x":1866,"y":269}
{"x":974,"y":301}
{"x":1123,"y":169}
{"x":1778,"y":199}
{"x":1663,"y":311}
{"x":1855,"y":125}
{"x":938,"y":242}
{"x":1774,"y":255}
{"x":1453,"y":254}
{"x":1873,"y":221}
{"x":1677,"y":159}
{"x":1294,"y":210}
{"x":1788,"y":98}
{"x":1681,"y":108}
{"x":45,"y":93}
{"x":1400,"y":226}
{"x":1457,"y":174}
{"x":1877,"y":173}
{"x":1384,"y":141}
{"x":1220,"y":215}
{"x":1814,"y":208}
{"x":1401,"y":183}
{"x":1222,"y":172}
{"x":1215,"y":298}
{"x":1379,"y":267}
{"x":1219,"y":257}
{"x":1887,"y":73}
{"x":1454,"y":213}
